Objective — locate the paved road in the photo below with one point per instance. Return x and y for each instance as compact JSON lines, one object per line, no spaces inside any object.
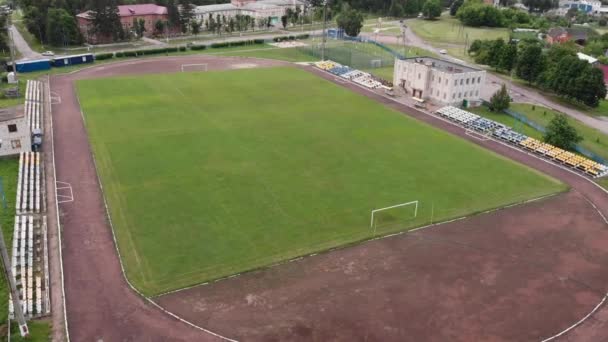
{"x":21,"y":45}
{"x":523,"y":94}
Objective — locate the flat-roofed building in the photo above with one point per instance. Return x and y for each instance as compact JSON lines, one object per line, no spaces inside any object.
{"x":258,"y":9}
{"x":439,"y":81}
{"x":15,"y":134}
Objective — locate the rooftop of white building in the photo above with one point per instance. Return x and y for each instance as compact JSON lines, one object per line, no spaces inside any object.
{"x":443,"y":65}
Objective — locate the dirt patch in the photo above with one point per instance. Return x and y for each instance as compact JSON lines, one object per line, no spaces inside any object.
{"x":518,"y":274}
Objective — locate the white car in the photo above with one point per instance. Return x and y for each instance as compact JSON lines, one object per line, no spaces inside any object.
{"x":48,"y":53}
{"x":443,"y":51}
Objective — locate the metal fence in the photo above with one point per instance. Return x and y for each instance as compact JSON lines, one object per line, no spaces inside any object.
{"x":353,"y":53}
{"x":523,"y":119}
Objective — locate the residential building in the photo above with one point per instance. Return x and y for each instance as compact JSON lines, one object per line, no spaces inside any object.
{"x":578,"y":35}
{"x":258,"y":9}
{"x":150,"y":13}
{"x":585,"y":6}
{"x":439,"y":81}
{"x":15,"y":135}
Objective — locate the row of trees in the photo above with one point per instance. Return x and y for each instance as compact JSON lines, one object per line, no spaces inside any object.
{"x":558,"y":70}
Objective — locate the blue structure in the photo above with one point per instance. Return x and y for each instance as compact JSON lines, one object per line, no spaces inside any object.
{"x":31,"y":66}
{"x":335,"y":33}
{"x":73,"y":60}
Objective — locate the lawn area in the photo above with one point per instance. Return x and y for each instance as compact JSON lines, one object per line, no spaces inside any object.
{"x":603,"y":182}
{"x":217,"y":173}
{"x":284,"y":54}
{"x":448,"y":30}
{"x":601,"y":110}
{"x":507,"y":120}
{"x":594,"y":140}
{"x":8,"y":174}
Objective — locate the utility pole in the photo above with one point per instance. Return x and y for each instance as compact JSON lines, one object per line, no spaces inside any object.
{"x":324,"y":29}
{"x":12,"y":44}
{"x":17,"y":309}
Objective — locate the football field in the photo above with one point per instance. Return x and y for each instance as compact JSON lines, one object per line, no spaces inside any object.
{"x":210,"y":174}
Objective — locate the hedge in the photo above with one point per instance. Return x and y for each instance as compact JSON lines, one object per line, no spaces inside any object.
{"x":120,"y":54}
{"x":130,"y":53}
{"x":102,"y":56}
{"x":198,"y":47}
{"x":182,"y":48}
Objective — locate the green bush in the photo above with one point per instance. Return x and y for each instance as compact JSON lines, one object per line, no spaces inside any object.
{"x":182,"y":48}
{"x":120,"y":54}
{"x":130,"y":53}
{"x":102,"y":56}
{"x":258,"y":41}
{"x":171,"y":49}
{"x":219,"y":45}
{"x":303,"y":36}
{"x":198,"y":47}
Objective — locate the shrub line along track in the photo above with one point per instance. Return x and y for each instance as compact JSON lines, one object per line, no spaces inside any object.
{"x":99,"y":302}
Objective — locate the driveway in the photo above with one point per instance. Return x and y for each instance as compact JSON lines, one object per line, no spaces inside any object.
{"x":21,"y":45}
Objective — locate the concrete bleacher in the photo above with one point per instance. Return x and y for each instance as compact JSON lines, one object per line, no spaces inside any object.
{"x":357,"y":76}
{"x":29,"y":183}
{"x":33,"y":104}
{"x":505,"y":133}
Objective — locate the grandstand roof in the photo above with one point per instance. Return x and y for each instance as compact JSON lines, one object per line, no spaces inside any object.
{"x":443,"y":65}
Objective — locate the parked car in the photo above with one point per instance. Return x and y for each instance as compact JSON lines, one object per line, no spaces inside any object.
{"x":443,"y":51}
{"x":48,"y":53}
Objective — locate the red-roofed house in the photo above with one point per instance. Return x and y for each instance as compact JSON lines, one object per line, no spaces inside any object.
{"x":150,"y":13}
{"x":604,"y":69}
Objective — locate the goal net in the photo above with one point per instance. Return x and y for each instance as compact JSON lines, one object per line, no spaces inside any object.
{"x":395,"y":214}
{"x":194,"y":67}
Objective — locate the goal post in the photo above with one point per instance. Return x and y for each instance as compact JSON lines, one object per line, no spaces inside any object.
{"x":379,"y":210}
{"x":194,"y":67}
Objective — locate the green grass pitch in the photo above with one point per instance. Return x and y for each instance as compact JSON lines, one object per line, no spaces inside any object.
{"x":209,"y":174}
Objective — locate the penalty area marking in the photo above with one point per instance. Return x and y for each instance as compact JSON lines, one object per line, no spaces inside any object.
{"x":64,"y":192}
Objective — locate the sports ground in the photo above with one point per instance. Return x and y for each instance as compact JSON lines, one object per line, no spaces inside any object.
{"x":520,"y":273}
{"x":211,"y":174}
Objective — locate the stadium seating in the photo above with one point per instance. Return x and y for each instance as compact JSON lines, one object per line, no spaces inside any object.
{"x":505,"y":133}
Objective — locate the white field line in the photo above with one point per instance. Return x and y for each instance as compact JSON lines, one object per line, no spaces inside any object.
{"x":597,"y":307}
{"x":50,"y":113}
{"x":122,"y":267}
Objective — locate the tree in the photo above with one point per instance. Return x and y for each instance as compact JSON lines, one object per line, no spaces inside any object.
{"x":173,"y":14}
{"x":61,"y":28}
{"x":602,"y":22}
{"x":186,"y":14}
{"x":531,"y":63}
{"x":139,"y":26}
{"x":540,"y":5}
{"x":351,"y":21}
{"x":195,"y":26}
{"x":455,"y":6}
{"x":589,"y":87}
{"x":396,"y":9}
{"x":159,"y":26}
{"x":561,"y":134}
{"x":508,"y":57}
{"x":431,"y":9}
{"x":284,"y":21}
{"x":106,"y":22}
{"x":500,"y":100}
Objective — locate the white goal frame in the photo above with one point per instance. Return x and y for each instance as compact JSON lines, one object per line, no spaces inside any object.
{"x":185,"y":66}
{"x":372,"y":222}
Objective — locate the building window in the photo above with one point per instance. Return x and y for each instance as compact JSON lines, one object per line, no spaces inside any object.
{"x":479,"y":79}
{"x":12,"y":128}
{"x":459,"y":95}
{"x":455,"y":82}
{"x":467,"y":81}
{"x":461,"y":80}
{"x":472,"y":80}
{"x":476,"y":92}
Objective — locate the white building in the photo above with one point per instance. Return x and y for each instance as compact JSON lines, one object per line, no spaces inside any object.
{"x":258,"y":9}
{"x":15,"y":135}
{"x":439,"y":81}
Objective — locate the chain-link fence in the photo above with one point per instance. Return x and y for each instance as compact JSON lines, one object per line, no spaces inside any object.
{"x":358,"y":55}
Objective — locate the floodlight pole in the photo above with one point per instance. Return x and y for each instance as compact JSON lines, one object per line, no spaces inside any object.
{"x":8,"y":272}
{"x":324,"y":28}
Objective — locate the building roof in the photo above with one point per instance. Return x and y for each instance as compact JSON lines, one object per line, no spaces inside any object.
{"x":443,"y":65}
{"x":556,"y":32}
{"x":133,"y":10}
{"x":215,"y":8}
{"x":7,"y":114}
{"x":587,"y":58}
